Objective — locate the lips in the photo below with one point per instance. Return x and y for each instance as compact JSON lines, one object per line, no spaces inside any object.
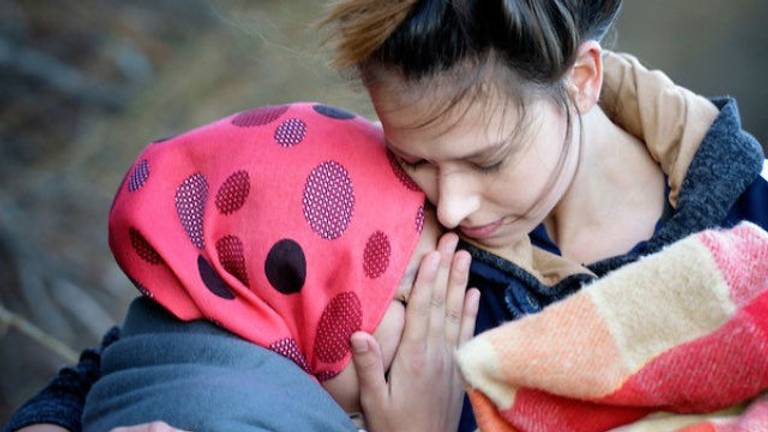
{"x":480,"y":232}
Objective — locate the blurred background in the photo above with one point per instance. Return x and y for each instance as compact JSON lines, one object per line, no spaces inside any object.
{"x":85,"y":84}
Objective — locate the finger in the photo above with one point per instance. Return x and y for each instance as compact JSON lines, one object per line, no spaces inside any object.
{"x":417,"y":309}
{"x":156,"y":426}
{"x":446,"y":247}
{"x":457,"y":290}
{"x":469,"y":316}
{"x":366,"y":355}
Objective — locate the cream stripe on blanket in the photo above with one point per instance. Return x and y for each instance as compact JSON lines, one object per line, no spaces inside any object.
{"x":683,"y":330}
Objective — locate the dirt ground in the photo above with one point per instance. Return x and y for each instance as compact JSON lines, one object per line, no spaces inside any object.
{"x":86,"y":84}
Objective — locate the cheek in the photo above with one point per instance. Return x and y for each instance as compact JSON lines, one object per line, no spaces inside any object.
{"x":519,"y":187}
{"x":389,"y":332}
{"x":535,"y":177}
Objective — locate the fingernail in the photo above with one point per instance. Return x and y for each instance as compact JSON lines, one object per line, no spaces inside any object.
{"x":359,"y":345}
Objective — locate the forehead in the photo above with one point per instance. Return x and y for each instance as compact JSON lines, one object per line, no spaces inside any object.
{"x":426,"y":125}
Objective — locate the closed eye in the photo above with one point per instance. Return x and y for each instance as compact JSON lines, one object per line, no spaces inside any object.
{"x":489,"y":169}
{"x":412,"y":165}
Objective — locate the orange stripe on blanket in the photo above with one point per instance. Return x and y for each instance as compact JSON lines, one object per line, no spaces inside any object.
{"x":547,"y":351}
{"x":700,"y":427}
{"x":662,"y":301}
{"x":486,"y":415}
{"x":701,"y":375}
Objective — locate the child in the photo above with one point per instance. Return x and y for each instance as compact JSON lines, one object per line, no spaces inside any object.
{"x":289,"y":226}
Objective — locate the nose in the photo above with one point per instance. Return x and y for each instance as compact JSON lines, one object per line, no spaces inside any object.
{"x":456,"y":199}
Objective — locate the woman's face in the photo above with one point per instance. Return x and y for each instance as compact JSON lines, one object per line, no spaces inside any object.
{"x":487,"y":171}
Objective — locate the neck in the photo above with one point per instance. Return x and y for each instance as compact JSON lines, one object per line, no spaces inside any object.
{"x":611,"y":202}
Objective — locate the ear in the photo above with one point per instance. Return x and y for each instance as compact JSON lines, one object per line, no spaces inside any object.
{"x":585,"y":79}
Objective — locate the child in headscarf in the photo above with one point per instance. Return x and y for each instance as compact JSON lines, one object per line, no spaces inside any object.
{"x":290,"y":226}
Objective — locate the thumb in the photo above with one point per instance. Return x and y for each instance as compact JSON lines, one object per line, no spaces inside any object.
{"x":366,"y":355}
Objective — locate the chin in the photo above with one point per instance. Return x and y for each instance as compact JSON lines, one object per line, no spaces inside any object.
{"x":490,"y":243}
{"x":496,"y":241}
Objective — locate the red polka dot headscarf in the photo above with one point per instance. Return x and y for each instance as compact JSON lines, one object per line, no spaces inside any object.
{"x":288,"y":225}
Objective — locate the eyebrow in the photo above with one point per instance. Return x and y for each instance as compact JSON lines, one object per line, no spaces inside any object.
{"x":490,"y":150}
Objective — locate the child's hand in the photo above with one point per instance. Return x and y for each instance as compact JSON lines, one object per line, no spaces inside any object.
{"x":424,"y":391}
{"x":43,"y":427}
{"x":156,"y":426}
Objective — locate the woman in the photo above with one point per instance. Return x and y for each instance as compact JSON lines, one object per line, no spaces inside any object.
{"x":492,"y":108}
{"x":556,"y":161}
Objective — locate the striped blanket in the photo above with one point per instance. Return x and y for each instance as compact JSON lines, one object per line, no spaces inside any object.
{"x":677,"y":341}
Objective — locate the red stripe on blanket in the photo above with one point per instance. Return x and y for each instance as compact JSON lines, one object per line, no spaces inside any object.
{"x":538,"y":411}
{"x":758,"y":310}
{"x":701,"y":376}
{"x":742,"y":257}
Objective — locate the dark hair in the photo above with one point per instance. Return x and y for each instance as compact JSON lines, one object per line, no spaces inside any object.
{"x":537,"y":39}
{"x":533,"y":43}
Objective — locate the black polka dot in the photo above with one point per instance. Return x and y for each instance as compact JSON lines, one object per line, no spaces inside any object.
{"x":333,"y":112}
{"x":341,"y":317}
{"x":259,"y":116}
{"x":191,"y":197}
{"x":291,"y":132}
{"x":286,"y":267}
{"x":325,"y":375}
{"x":230,"y":251}
{"x":420,"y":219}
{"x":329,"y":200}
{"x":139,"y":176}
{"x":233,"y":193}
{"x":143,"y":248}
{"x":288,"y":348}
{"x":404,"y":178}
{"x":212,"y":280}
{"x":142,"y":289}
{"x":376,"y":255}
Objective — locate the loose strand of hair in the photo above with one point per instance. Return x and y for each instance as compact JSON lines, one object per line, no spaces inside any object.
{"x":361,"y":27}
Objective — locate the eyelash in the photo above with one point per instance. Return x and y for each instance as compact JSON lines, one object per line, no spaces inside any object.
{"x":412,"y":165}
{"x":483,"y":169}
{"x":492,"y":168}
